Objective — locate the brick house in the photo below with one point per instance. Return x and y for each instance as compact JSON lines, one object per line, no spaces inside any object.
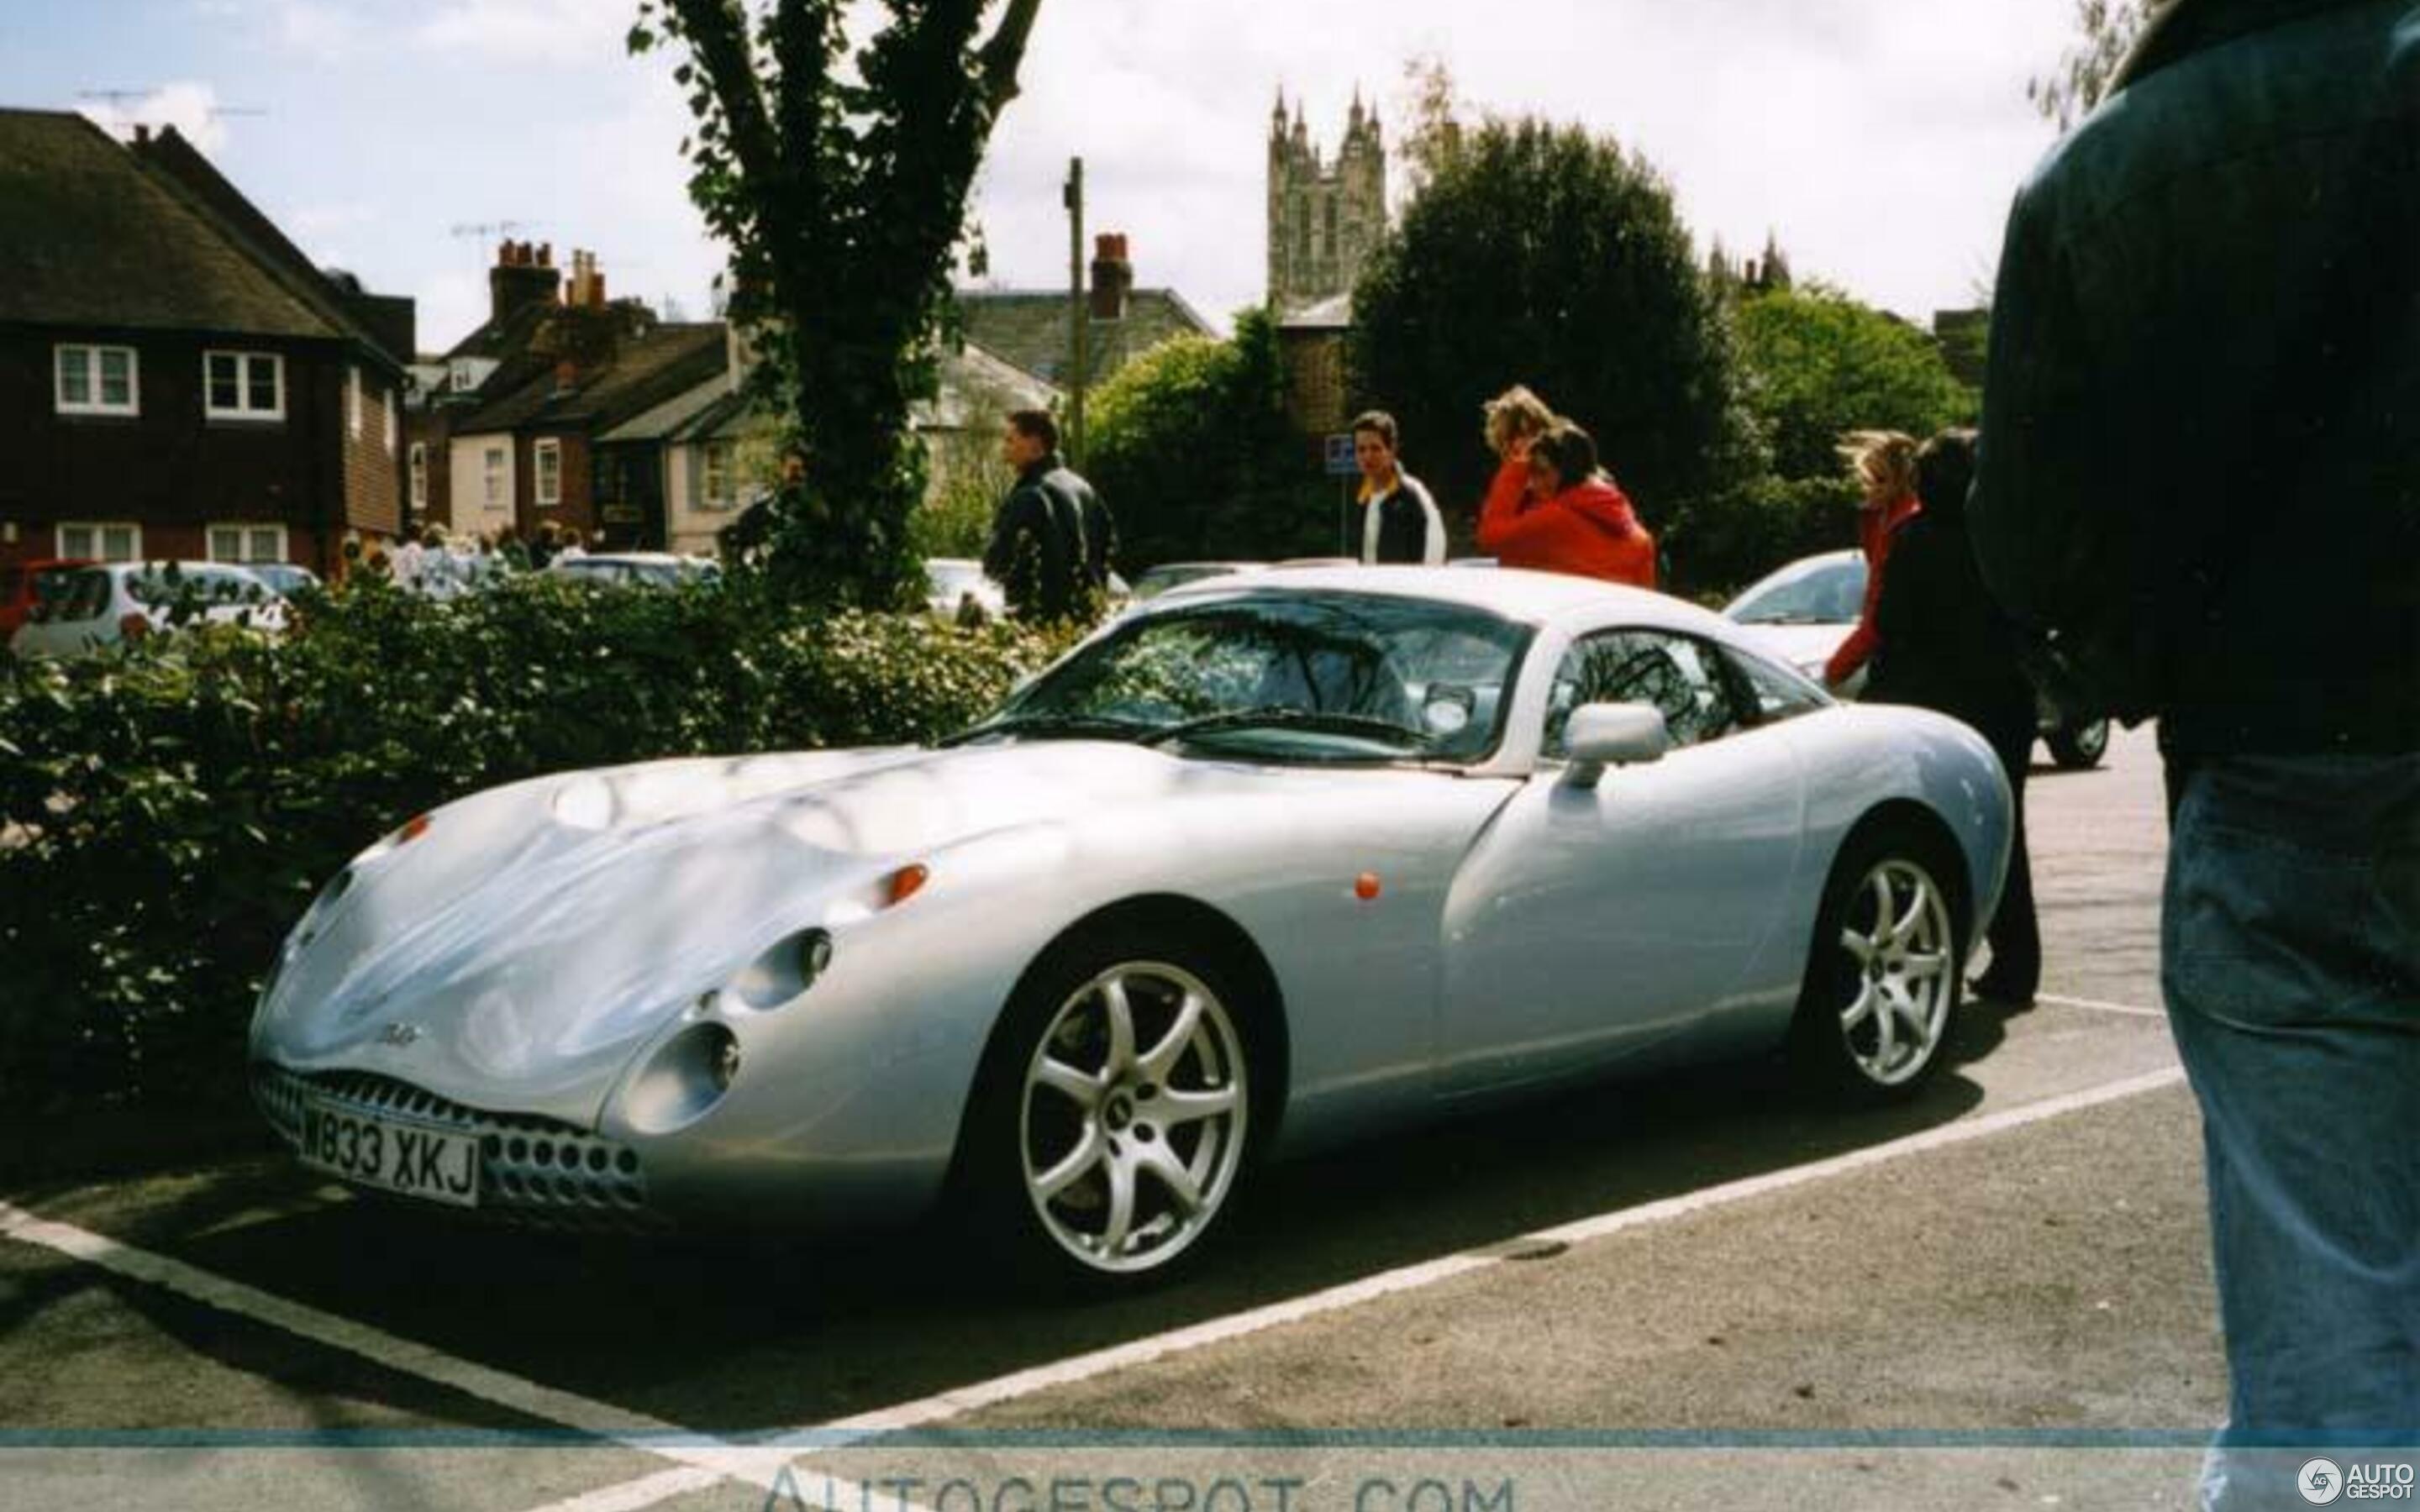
{"x":177,"y":380}
{"x":530,"y":394}
{"x":1031,"y":328}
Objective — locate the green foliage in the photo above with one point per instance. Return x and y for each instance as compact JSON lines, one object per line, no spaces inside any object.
{"x":1192,"y":452}
{"x":836,"y":172}
{"x":1818,"y":364}
{"x":166,"y":815}
{"x":1540,"y":255}
{"x":1729,"y":539}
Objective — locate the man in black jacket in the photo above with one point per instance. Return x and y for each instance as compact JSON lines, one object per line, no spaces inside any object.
{"x":2200,"y":474}
{"x":1051,"y":539}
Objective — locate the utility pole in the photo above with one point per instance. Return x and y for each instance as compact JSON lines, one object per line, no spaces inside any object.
{"x":1078,"y":315}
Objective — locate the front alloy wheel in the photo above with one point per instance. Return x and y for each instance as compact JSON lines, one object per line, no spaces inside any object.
{"x":1132,"y":1118}
{"x":1883,"y":985}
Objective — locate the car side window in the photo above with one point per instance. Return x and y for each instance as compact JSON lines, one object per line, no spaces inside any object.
{"x":1776,"y":694}
{"x":1676,"y":674}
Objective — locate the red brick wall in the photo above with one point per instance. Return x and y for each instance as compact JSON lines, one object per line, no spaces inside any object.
{"x":373,"y":473}
{"x":578,"y":506}
{"x":434,"y":430}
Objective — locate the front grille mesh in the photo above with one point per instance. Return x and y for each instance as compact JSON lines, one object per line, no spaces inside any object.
{"x":533,"y":1171}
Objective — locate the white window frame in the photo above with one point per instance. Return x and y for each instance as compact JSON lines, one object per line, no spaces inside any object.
{"x":246,"y":530}
{"x":495,"y":468}
{"x":545,"y":468}
{"x":353,"y":403}
{"x":98,"y":531}
{"x":95,"y":403}
{"x":243,"y":373}
{"x":388,"y":436}
{"x":716,"y":486}
{"x":416,"y":470}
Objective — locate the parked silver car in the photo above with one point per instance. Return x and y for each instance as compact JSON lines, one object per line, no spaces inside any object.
{"x":1268,"y":865}
{"x":95,"y":608}
{"x":1802,"y":612}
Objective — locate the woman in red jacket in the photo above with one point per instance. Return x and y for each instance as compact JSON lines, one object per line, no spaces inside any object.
{"x":1884,"y":464}
{"x":1573,"y":519}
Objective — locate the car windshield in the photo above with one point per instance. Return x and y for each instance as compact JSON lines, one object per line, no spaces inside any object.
{"x":1310,"y":676}
{"x":1823,"y":591}
{"x":1158,"y":581}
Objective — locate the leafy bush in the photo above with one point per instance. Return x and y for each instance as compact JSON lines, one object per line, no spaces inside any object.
{"x":1192,"y":451}
{"x":166,"y":815}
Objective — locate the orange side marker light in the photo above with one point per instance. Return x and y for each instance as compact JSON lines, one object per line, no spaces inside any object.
{"x":1365,"y":887}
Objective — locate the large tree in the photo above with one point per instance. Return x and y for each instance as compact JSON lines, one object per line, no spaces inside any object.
{"x":1818,"y":363}
{"x":1192,"y":449}
{"x":1541,"y":254}
{"x":837,"y":173}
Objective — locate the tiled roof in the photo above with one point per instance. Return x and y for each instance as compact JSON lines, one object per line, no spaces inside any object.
{"x":90,"y":236}
{"x":646,"y":369}
{"x":1029,"y":329}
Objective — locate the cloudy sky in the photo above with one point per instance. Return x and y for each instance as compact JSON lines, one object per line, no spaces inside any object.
{"x":1879,"y":139}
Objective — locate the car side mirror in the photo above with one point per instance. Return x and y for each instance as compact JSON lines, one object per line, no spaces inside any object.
{"x":1599,"y":735}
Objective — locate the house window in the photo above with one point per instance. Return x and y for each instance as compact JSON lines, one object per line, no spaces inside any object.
{"x":107,"y":542}
{"x":243,"y":542}
{"x":493,"y":479}
{"x":419,"y":475}
{"x":387,"y":436}
{"x":548,"y":457}
{"x":715,"y":485}
{"x":243,"y":385}
{"x":95,"y":380}
{"x":353,"y":403}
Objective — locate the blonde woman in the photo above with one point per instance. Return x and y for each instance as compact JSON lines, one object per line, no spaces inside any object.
{"x":1884,"y":464}
{"x":1516,"y":418}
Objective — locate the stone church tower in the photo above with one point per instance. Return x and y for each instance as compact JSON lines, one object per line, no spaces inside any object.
{"x":1324,"y":219}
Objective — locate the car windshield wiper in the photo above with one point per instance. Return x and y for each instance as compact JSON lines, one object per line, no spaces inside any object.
{"x":1081,"y":726}
{"x":1323,"y":723}
{"x":1789,"y":619}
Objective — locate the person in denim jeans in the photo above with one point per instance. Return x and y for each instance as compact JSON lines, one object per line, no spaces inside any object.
{"x":2200,"y":483}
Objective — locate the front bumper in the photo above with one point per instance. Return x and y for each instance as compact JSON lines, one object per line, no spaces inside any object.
{"x":533,"y":1172}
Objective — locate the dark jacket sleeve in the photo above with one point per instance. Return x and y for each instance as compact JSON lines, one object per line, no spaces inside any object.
{"x":2041,"y":466}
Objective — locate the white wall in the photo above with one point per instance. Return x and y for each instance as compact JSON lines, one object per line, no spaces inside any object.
{"x":468,"y":462}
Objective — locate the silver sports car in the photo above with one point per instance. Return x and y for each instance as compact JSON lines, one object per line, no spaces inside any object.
{"x":1270,"y":864}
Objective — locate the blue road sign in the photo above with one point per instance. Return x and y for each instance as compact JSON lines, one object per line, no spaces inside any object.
{"x":1339,"y":457}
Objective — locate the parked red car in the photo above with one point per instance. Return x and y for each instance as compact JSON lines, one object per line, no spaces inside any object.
{"x":20,"y":586}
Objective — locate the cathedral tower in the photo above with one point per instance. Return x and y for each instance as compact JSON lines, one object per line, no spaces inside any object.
{"x":1324,"y":219}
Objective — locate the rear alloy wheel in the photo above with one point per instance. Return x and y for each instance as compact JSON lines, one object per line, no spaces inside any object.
{"x":2076,"y":747}
{"x":1115,"y":1118}
{"x":1882,"y":985}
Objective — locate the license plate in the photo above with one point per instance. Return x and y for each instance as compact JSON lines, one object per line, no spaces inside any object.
{"x":414,"y":1160}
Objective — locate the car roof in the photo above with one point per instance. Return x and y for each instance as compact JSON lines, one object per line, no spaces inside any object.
{"x":1513,"y":593}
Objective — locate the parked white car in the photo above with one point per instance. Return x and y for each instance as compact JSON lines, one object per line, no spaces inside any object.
{"x":645,"y":569}
{"x":99,"y":608}
{"x":1801,"y":613}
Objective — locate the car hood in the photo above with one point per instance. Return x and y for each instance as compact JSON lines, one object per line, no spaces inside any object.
{"x":517,"y":951}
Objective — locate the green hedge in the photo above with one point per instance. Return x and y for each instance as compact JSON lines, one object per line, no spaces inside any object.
{"x":166,"y":814}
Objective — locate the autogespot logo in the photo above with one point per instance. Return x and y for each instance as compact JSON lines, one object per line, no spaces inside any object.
{"x":2320,"y":1482}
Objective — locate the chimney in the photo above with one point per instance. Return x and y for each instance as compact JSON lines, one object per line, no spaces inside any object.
{"x":1112,"y":276}
{"x":518,"y":281}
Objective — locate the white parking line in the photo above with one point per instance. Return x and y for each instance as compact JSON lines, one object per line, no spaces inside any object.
{"x":2098,"y":1007}
{"x":706,"y":1460}
{"x":966,"y":1399}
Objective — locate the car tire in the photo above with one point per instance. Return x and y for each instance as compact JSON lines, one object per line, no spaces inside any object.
{"x":2079,"y":747}
{"x":1884,"y":973}
{"x":1098,"y":1160}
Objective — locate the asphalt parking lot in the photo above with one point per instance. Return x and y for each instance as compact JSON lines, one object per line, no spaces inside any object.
{"x":1706,"y":1291}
